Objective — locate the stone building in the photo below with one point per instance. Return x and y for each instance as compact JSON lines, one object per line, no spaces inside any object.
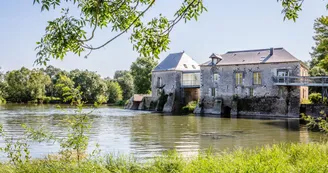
{"x":175,"y":82}
{"x":250,"y":82}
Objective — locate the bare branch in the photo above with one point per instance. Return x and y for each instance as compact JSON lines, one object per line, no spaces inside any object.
{"x":178,"y":18}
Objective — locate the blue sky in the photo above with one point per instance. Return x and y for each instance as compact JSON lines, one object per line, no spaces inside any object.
{"x":228,"y":25}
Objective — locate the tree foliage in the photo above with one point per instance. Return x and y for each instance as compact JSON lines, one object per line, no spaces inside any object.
{"x":91,"y":84}
{"x":63,"y":84}
{"x":3,"y":87}
{"x":114,"y":92}
{"x":125,"y":80}
{"x":26,"y":85}
{"x":52,"y":85}
{"x":319,"y":62}
{"x":69,"y":33}
{"x":141,"y":71}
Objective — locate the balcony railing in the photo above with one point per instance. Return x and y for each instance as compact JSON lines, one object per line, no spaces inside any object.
{"x":301,"y":80}
{"x":190,"y":83}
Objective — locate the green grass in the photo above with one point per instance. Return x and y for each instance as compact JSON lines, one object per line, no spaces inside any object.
{"x":277,"y":158}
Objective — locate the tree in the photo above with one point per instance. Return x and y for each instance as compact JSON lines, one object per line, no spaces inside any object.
{"x":63,"y":84}
{"x":90,"y":83}
{"x":141,"y":71}
{"x":114,"y":92}
{"x":26,"y":85}
{"x":53,"y":74}
{"x":125,"y":80}
{"x":320,"y":50}
{"x":3,"y":87}
{"x":68,"y":33}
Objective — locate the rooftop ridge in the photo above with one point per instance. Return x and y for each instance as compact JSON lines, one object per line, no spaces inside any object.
{"x":254,"y":50}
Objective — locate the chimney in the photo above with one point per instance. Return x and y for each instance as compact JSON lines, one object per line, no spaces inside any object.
{"x":271,"y":51}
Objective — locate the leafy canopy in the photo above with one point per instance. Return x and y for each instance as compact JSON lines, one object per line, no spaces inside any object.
{"x":141,"y":71}
{"x":69,"y":33}
{"x":125,"y":80}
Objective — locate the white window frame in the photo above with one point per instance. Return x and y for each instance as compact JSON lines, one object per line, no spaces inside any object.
{"x":257,"y":78}
{"x":215,"y":76}
{"x":239,"y":78}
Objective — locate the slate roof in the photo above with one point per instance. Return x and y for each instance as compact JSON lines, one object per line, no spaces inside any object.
{"x":256,"y":56}
{"x":179,"y":62}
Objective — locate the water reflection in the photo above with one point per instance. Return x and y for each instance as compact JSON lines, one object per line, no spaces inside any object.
{"x":145,"y":134}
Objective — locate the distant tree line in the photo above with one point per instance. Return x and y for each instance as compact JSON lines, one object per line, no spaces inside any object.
{"x":47,"y":85}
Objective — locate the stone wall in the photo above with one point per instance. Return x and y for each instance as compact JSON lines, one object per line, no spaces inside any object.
{"x":314,"y":109}
{"x":287,"y":98}
{"x":172,"y":82}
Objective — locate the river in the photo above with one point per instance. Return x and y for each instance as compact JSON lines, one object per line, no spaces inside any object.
{"x":145,"y":134}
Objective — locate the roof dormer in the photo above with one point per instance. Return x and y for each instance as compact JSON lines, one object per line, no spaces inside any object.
{"x":216,"y":58}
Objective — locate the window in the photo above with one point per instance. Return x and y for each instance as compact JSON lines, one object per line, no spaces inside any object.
{"x":257,"y":78}
{"x":191,"y":79}
{"x":282,"y":72}
{"x":213,"y":92}
{"x":239,"y":78}
{"x":214,"y":61}
{"x":193,"y":67}
{"x":185,"y":65}
{"x":281,"y":92}
{"x":251,"y":92}
{"x":304,"y":73}
{"x":215,"y":76}
{"x":159,"y":82}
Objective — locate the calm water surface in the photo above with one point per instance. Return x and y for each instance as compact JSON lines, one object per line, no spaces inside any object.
{"x":146,"y":134}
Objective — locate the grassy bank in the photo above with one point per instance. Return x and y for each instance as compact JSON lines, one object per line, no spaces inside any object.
{"x":277,"y":158}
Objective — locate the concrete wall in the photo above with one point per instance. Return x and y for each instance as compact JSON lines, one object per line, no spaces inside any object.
{"x":225,"y":87}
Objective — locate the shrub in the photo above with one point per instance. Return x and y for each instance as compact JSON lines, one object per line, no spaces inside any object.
{"x":190,"y":107}
{"x":306,"y":101}
{"x":114,"y":92}
{"x":2,"y":100}
{"x":121,"y":103}
{"x":317,"y":123}
{"x":315,"y":98}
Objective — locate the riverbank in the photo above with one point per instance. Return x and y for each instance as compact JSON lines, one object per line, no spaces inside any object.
{"x":283,"y":157}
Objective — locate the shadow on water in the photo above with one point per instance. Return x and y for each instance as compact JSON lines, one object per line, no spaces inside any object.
{"x":288,"y":124}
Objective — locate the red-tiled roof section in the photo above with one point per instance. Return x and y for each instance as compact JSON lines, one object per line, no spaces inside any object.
{"x":139,"y":97}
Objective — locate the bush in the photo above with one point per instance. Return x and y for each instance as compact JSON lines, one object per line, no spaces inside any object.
{"x":306,"y":101}
{"x":114,"y":92}
{"x":121,"y":102}
{"x":315,"y":98}
{"x":2,"y":100}
{"x":317,"y":123}
{"x":48,"y":100}
{"x":190,"y":107}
